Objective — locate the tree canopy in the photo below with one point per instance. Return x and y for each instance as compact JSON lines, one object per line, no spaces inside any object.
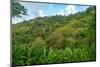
{"x":17,"y":9}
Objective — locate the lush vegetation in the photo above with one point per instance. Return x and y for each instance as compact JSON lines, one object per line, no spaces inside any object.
{"x":55,"y":39}
{"x":18,"y":9}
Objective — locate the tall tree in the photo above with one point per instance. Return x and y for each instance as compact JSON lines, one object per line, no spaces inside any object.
{"x":17,"y":9}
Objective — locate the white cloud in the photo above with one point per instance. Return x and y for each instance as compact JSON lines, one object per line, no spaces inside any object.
{"x":16,"y":20}
{"x":34,"y":8}
{"x":40,"y":13}
{"x":70,"y":9}
{"x":62,"y":13}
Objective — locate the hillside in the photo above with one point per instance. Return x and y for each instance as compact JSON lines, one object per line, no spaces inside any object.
{"x":55,"y":39}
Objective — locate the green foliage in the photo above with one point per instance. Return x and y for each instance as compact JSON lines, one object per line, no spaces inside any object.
{"x":55,"y":39}
{"x":17,"y":9}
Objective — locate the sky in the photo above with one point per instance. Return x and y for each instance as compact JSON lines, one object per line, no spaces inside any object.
{"x":47,"y":9}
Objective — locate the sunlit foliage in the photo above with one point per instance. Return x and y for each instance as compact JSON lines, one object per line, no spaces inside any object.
{"x":55,"y":39}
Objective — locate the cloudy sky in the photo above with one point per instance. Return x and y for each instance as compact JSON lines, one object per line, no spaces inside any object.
{"x":44,"y":9}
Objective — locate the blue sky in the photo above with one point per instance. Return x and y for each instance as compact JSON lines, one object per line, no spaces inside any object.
{"x":44,"y":9}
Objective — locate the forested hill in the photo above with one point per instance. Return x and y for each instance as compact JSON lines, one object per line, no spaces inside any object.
{"x":76,"y":31}
{"x":48,"y":27}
